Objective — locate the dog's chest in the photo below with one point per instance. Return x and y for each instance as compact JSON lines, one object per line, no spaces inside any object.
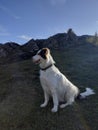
{"x":46,"y":81}
{"x":48,"y":76}
{"x":44,"y":77}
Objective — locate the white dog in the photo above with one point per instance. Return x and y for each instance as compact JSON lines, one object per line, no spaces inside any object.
{"x":54,"y":83}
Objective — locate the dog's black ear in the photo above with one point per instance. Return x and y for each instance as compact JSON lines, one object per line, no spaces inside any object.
{"x":43,"y":53}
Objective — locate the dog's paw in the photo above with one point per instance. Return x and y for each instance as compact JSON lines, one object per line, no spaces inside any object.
{"x":62,"y":106}
{"x":43,"y":105}
{"x":54,"y":109}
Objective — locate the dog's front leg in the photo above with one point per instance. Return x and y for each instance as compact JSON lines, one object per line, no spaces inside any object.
{"x":55,"y":102}
{"x":46,"y":98}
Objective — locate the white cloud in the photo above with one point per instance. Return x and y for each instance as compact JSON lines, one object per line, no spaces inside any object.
{"x":8,"y":12}
{"x":56,"y":2}
{"x":4,"y":34}
{"x":3,"y":31}
{"x":25,"y":37}
{"x":96,"y":21}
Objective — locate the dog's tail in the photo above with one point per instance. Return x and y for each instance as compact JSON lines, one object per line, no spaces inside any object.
{"x":88,"y":92}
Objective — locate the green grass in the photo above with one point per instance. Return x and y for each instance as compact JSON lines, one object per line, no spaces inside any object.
{"x":21,"y":94}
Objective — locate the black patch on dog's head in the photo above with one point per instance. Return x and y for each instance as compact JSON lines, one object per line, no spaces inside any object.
{"x":43,"y":53}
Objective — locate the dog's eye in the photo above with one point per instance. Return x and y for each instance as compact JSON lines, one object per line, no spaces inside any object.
{"x":43,"y":54}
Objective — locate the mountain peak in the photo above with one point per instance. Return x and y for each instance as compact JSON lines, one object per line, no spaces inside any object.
{"x":58,"y":41}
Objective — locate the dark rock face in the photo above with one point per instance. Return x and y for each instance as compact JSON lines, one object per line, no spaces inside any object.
{"x":15,"y":52}
{"x":30,"y":46}
{"x":3,"y":53}
{"x":60,"y":41}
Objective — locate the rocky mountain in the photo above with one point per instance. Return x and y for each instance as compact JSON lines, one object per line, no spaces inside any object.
{"x":12,"y":51}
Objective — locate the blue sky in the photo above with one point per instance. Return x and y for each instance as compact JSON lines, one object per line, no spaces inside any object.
{"x":21,"y":20}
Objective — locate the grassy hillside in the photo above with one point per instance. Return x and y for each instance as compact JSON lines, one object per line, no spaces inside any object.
{"x":21,"y":94}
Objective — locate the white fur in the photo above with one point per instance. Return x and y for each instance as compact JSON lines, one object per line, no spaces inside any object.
{"x":55,"y":84}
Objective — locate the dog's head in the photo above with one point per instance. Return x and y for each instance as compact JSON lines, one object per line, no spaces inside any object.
{"x":43,"y":56}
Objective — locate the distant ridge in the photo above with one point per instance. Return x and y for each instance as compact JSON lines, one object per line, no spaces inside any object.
{"x":12,"y":51}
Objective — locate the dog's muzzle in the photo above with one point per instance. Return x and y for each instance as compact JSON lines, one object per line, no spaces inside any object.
{"x":36,"y":59}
